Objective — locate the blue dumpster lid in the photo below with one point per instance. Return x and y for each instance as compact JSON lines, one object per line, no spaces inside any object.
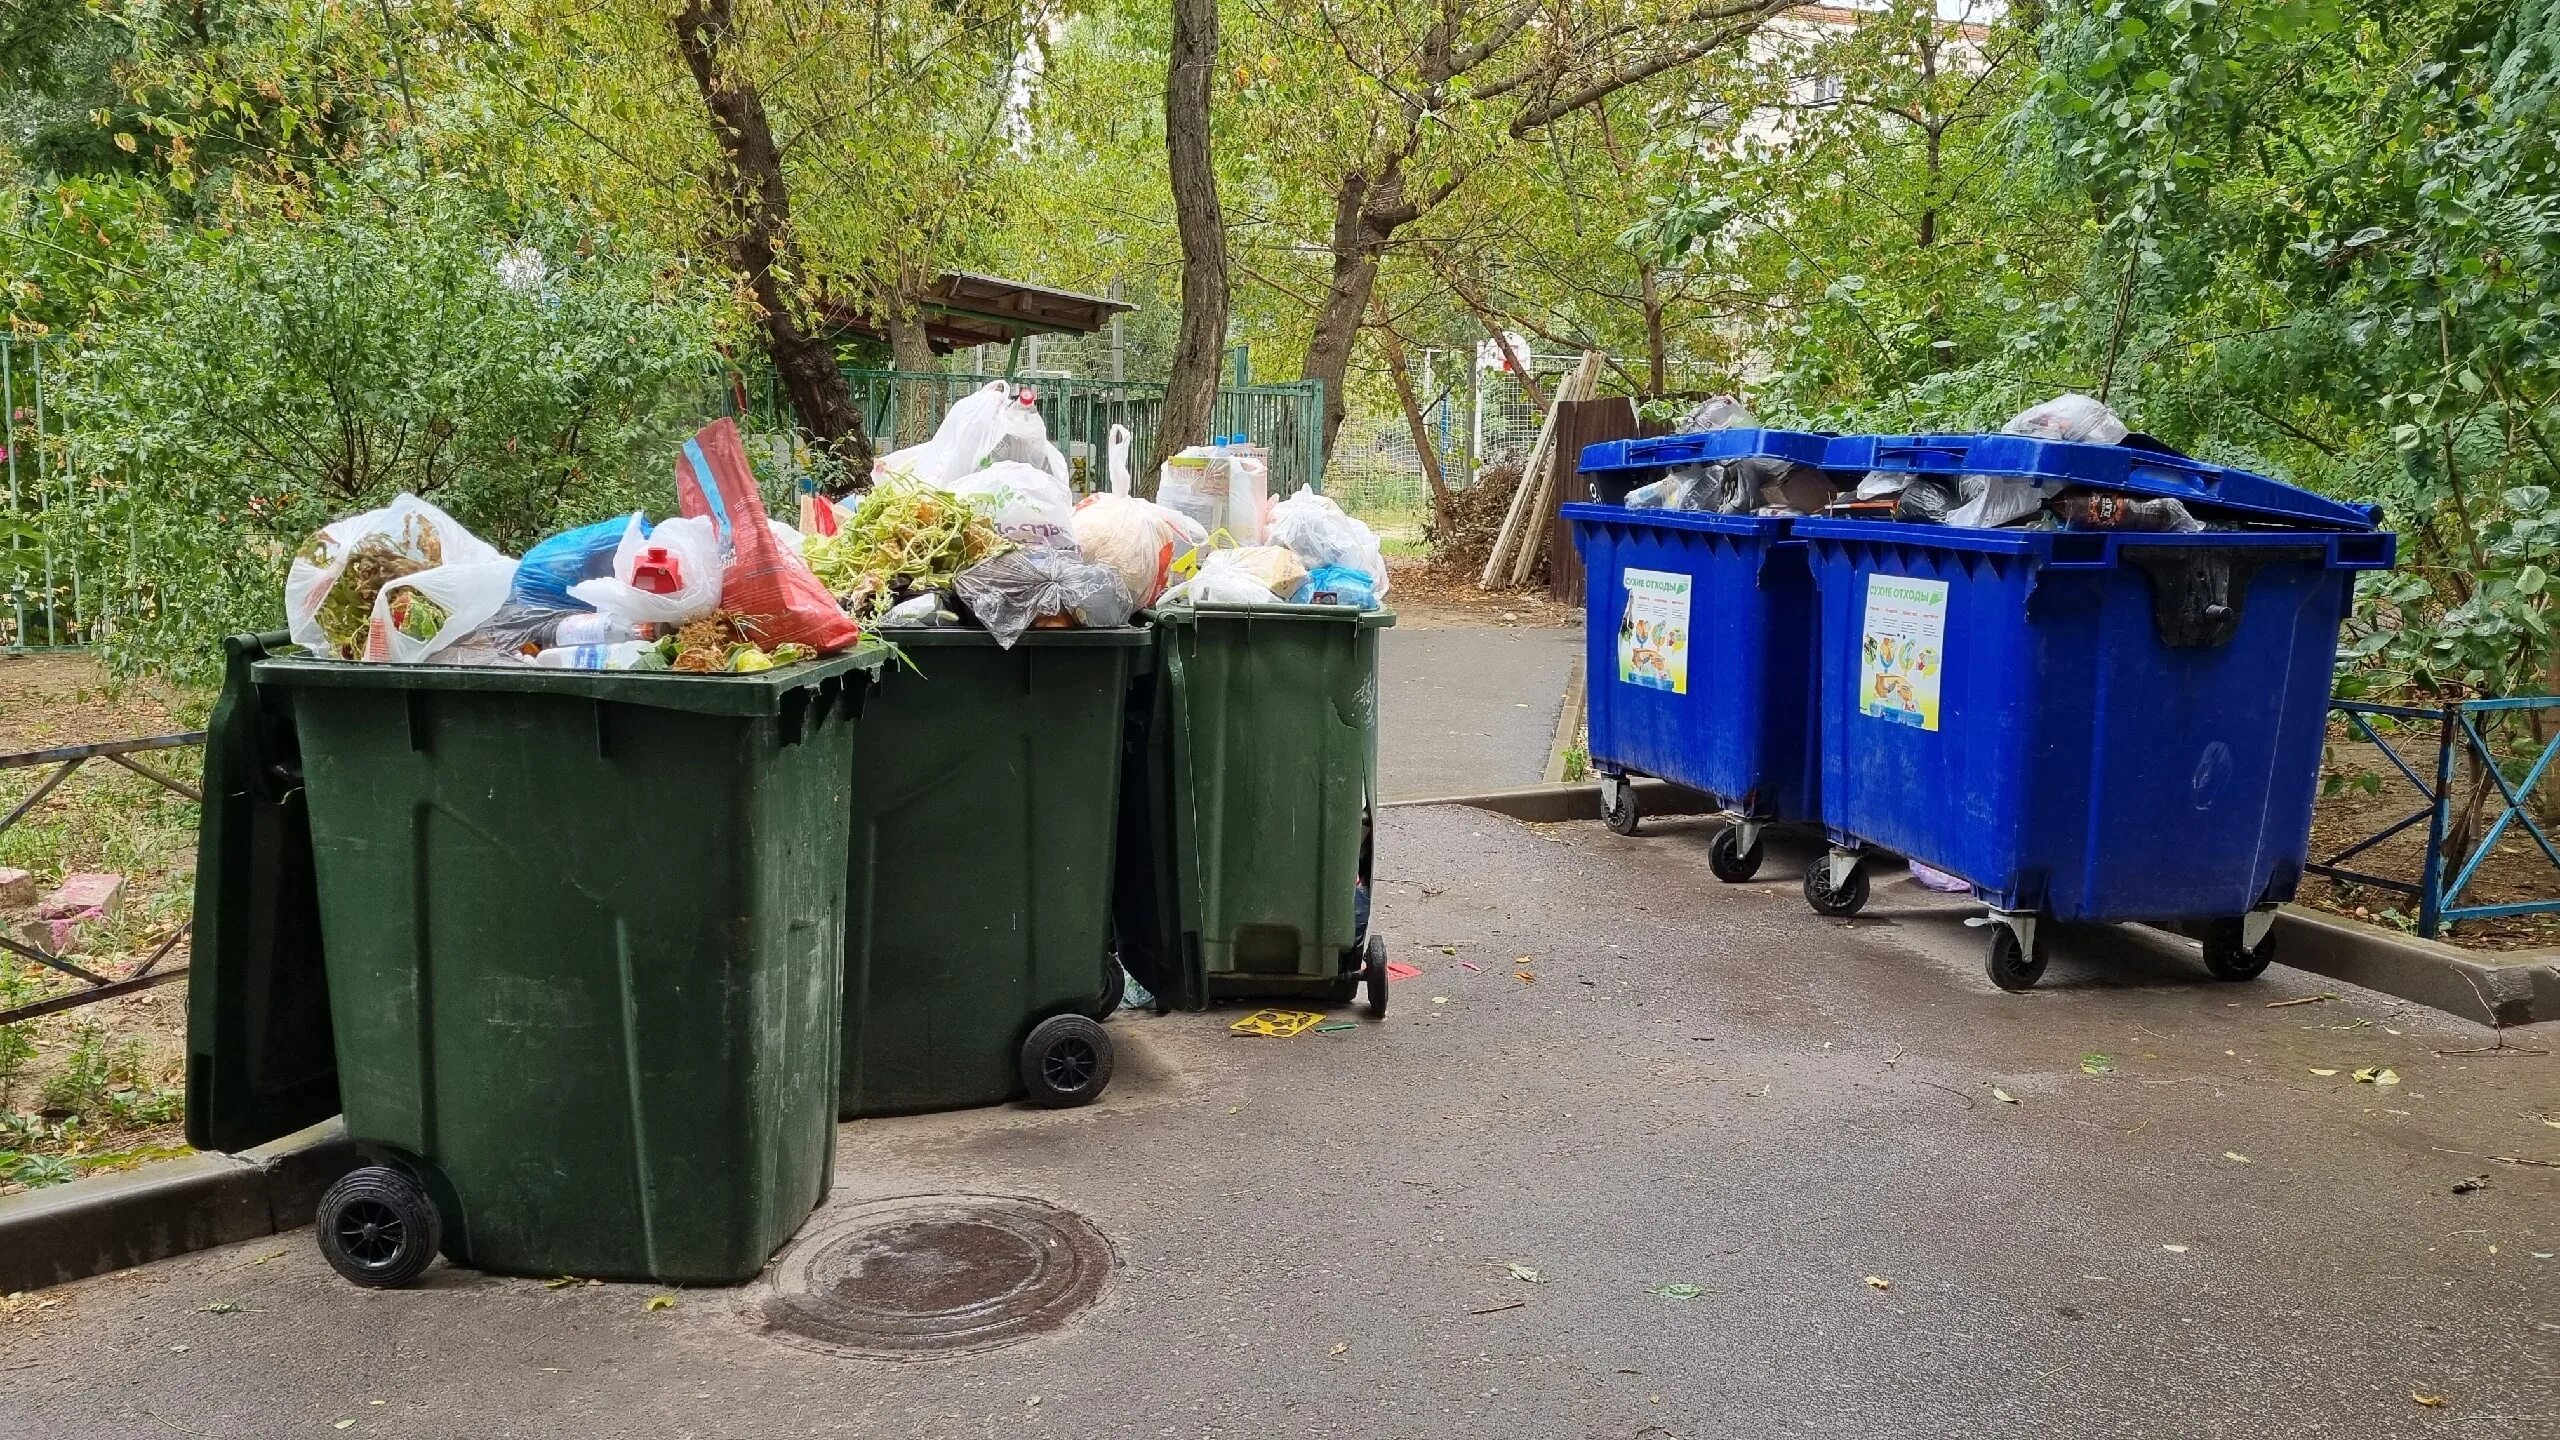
{"x":1803,"y":447}
{"x":2129,"y":468}
{"x":1767,"y":527}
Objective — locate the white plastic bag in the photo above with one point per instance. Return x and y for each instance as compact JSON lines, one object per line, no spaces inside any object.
{"x":692,"y":543}
{"x":969,"y":433}
{"x":1717,"y":412}
{"x":1248,"y":495}
{"x":420,"y":534}
{"x":1140,"y":541}
{"x":469,"y":595}
{"x":1032,"y":508}
{"x":1319,"y":533}
{"x":2069,"y":417}
{"x":1258,"y":575}
{"x":1987,"y":502}
{"x":1025,"y":438}
{"x":1119,"y":453}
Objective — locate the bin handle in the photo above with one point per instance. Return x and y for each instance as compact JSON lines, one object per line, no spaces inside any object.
{"x":1910,"y":455}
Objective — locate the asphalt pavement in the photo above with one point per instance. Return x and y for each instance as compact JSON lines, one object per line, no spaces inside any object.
{"x":1470,"y":709}
{"x":1671,"y":1159}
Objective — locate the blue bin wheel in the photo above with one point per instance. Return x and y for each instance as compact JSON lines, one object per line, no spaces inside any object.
{"x":1842,"y":903}
{"x":2229,"y":959}
{"x":377,"y":1227}
{"x":1066,"y":1062}
{"x":1730,"y":862}
{"x":1618,"y":804}
{"x":2010,"y":967}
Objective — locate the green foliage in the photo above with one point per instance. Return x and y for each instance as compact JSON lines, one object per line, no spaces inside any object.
{"x":524,"y":368}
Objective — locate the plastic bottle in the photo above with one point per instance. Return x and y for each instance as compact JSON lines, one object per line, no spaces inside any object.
{"x":2096,"y":510}
{"x":595,"y":629}
{"x":620,"y":656}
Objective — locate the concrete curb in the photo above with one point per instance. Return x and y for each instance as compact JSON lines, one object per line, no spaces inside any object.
{"x":109,"y":1222}
{"x":1544,"y":804}
{"x":1568,"y":723}
{"x":2492,"y":989}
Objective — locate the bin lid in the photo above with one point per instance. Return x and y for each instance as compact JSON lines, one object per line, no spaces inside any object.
{"x":1802,"y":447}
{"x":2133,"y":469}
{"x":262,"y":1058}
{"x":1707,"y":521}
{"x":760,"y":693}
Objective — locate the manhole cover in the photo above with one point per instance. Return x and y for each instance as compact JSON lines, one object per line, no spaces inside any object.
{"x":933,"y":1275}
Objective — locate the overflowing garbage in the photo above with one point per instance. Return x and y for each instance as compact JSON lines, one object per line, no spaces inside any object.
{"x":977,"y":526}
{"x":1917,"y":491}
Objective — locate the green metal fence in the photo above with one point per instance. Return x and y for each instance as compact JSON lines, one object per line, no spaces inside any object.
{"x":902,"y":407}
{"x":45,"y":602}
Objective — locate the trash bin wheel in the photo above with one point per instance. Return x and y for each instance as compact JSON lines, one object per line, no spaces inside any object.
{"x":1728,"y":861}
{"x":2009,"y":967}
{"x":1066,"y":1062}
{"x":2229,"y":959}
{"x":1618,"y":804}
{"x":1846,"y":901}
{"x":1373,"y":974}
{"x":1115,"y":989}
{"x":377,"y":1227}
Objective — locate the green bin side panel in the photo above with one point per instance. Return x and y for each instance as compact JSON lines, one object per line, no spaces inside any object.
{"x":1274,"y":739}
{"x":261,"y":1062}
{"x":979,"y":898}
{"x":585,"y":953}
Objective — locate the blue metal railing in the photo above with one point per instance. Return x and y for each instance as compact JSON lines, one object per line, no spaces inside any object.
{"x":2458,"y":734}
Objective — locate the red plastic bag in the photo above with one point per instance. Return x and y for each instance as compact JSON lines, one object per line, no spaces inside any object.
{"x":765,"y":587}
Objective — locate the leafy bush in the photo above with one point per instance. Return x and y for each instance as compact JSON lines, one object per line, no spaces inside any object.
{"x":524,"y":370}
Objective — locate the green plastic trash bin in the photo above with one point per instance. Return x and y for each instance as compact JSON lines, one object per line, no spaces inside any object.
{"x":581,"y":939}
{"x":978,"y":947}
{"x":1246,"y":805}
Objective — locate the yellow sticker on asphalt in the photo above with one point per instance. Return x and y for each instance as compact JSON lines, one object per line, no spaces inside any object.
{"x":1277,"y":1023}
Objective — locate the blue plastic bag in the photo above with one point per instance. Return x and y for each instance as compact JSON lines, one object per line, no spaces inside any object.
{"x":1338,"y":585}
{"x":548,"y":570}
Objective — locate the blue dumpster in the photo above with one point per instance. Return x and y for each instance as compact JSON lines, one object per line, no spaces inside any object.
{"x":1699,"y":643}
{"x":2082,"y":725}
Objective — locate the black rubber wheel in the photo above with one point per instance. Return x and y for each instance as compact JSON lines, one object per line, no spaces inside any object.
{"x":1373,"y":974}
{"x":1727,"y":859}
{"x":377,"y":1227}
{"x":2009,"y":967}
{"x":1618,"y":806}
{"x":1066,"y":1062}
{"x":1846,"y":901}
{"x":1115,"y":990}
{"x":2228,"y":959}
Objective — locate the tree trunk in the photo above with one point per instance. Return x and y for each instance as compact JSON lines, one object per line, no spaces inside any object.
{"x":910,"y":348}
{"x":1444,"y":505}
{"x":757,"y":207}
{"x":1191,"y":390}
{"x":1357,"y":245}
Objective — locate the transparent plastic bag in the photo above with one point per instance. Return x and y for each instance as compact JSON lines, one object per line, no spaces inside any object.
{"x":1139,"y":540}
{"x":466,"y":596}
{"x":1012,"y":592}
{"x":1256,"y":575}
{"x":687,"y":547}
{"x":1718,"y":412}
{"x":1879,"y":484}
{"x":1195,"y":482}
{"x":969,"y":433}
{"x":1031,"y":507}
{"x":405,"y":538}
{"x":1987,"y":502}
{"x":1318,"y":532}
{"x":2069,"y":417}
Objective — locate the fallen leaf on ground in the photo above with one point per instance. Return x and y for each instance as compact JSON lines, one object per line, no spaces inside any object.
{"x":1448,"y":949}
{"x":1524,"y":1273}
{"x":2096,"y":1063}
{"x":340,"y":1424}
{"x":1879,"y":1282}
{"x":2235,"y":1155}
{"x":2003,"y":1096}
{"x":662,"y":1302}
{"x":1520,"y":960}
{"x":2175,"y":1249}
{"x":2316,"y":1070}
{"x":2520,"y":1160}
{"x":1525,"y":977}
{"x":1678,"y":1292}
{"x":1439,"y":999}
{"x":560,"y":1282}
{"x":2465,"y":1187}
{"x":2305,"y":1000}
{"x":2423,"y":1398}
{"x":2371,"y":1075}
{"x":278,"y":1254}
{"x":1471,"y":965}
{"x":1342,"y":1347}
